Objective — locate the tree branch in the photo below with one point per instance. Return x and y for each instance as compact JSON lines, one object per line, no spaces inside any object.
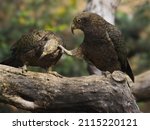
{"x":41,"y":92}
{"x":142,"y":87}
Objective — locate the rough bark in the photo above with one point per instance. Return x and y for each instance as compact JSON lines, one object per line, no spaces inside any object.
{"x":41,"y":92}
{"x":142,"y":87}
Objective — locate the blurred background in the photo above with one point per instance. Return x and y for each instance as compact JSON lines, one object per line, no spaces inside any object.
{"x":20,"y":16}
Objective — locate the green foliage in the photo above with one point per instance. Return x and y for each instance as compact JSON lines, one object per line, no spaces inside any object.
{"x":4,"y":50}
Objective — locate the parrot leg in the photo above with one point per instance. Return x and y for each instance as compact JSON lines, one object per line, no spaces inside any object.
{"x":64,"y":50}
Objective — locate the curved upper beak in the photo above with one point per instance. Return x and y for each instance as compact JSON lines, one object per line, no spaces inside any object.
{"x":42,"y":55}
{"x":73,"y":27}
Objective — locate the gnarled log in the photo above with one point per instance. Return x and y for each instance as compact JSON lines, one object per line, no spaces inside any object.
{"x":142,"y":87}
{"x":41,"y":92}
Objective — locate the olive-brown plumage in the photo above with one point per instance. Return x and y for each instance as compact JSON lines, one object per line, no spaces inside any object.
{"x":103,"y":44}
{"x":35,"y":48}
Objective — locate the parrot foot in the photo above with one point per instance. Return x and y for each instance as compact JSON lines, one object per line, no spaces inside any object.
{"x":105,"y":73}
{"x":55,"y":74}
{"x":24,"y":69}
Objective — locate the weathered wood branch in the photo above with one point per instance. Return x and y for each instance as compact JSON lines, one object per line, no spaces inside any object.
{"x":41,"y":92}
{"x":142,"y":87}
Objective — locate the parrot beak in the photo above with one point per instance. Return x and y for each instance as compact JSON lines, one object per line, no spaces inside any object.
{"x":73,"y":27}
{"x":43,"y":54}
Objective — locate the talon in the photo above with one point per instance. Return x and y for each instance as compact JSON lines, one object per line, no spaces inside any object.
{"x":24,"y":69}
{"x":105,"y":73}
{"x":55,"y":74}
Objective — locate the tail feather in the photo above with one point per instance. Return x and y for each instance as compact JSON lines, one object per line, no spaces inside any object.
{"x":11,"y":61}
{"x":128,"y":71}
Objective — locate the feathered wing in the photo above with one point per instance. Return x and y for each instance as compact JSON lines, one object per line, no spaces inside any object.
{"x":120,"y":48}
{"x":27,"y":43}
{"x":29,"y":48}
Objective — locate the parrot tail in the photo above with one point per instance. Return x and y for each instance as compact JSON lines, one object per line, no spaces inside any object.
{"x":11,"y":61}
{"x":129,"y":71}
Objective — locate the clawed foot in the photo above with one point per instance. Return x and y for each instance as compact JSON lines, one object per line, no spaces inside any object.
{"x":55,"y":74}
{"x":105,"y":73}
{"x":24,"y":69}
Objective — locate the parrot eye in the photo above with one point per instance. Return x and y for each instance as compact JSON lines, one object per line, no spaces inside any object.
{"x":79,"y":20}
